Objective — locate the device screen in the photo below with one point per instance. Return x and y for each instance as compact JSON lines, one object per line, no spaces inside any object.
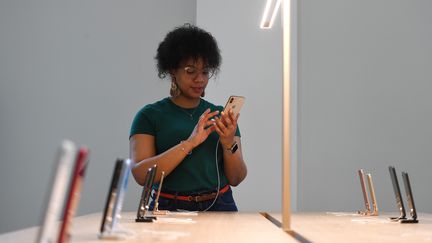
{"x":397,"y":192}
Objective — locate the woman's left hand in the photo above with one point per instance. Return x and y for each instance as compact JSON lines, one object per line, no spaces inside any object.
{"x":226,"y":126}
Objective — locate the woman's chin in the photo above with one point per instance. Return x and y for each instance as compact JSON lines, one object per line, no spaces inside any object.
{"x":195,"y":95}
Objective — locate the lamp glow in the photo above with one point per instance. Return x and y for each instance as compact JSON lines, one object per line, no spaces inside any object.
{"x":272,"y":6}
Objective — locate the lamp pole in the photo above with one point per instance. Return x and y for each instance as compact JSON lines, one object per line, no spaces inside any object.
{"x":286,"y":141}
{"x":269,"y":16}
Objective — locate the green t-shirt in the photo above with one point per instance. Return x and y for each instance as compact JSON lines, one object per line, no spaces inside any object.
{"x":170,"y":124}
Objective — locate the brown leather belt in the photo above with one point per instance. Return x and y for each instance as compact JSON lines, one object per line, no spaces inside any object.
{"x":197,"y":198}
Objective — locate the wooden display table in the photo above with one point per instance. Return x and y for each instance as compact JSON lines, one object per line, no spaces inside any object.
{"x":201,"y":227}
{"x":349,"y":227}
{"x":249,"y":227}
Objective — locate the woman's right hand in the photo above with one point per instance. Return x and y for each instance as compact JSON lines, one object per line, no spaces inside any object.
{"x":203,"y":128}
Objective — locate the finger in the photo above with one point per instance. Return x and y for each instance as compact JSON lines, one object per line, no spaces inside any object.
{"x":210,"y":129}
{"x":203,"y":116}
{"x":206,"y":117}
{"x":233,"y":116}
{"x":225,"y":113}
{"x":234,"y":119}
{"x":220,"y":123}
{"x":221,"y":126}
{"x":219,"y":131}
{"x":212,"y":114}
{"x":224,"y":118}
{"x":229,"y":120}
{"x":210,"y":122}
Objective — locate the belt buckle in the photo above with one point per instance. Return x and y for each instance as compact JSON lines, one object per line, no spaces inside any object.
{"x":193,"y":198}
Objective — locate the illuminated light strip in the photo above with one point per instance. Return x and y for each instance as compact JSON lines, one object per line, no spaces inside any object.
{"x":273,"y":7}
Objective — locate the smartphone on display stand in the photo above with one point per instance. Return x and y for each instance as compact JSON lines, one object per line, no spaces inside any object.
{"x":410,"y":199}
{"x":143,"y":206}
{"x":73,"y":198}
{"x":374,"y":211}
{"x":398,"y":195}
{"x":55,"y":202}
{"x":365,"y":195}
{"x":114,"y":201}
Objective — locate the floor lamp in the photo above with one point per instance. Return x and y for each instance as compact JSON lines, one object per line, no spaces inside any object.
{"x":270,"y":12}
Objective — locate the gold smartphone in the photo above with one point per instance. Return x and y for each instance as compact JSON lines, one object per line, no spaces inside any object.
{"x":365,"y":195}
{"x":372,"y":194}
{"x":234,"y":103}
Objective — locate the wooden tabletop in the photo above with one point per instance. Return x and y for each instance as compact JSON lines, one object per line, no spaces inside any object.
{"x":351,"y":227}
{"x":202,"y":227}
{"x":247,"y":227}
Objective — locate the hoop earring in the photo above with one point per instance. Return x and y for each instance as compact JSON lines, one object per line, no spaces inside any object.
{"x":174,"y":90}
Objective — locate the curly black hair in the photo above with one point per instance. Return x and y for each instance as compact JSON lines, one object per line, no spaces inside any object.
{"x":184,"y":42}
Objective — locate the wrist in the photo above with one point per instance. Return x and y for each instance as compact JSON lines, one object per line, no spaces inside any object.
{"x":191,"y":141}
{"x":232,"y":148}
{"x":186,"y":146}
{"x":227,"y":145}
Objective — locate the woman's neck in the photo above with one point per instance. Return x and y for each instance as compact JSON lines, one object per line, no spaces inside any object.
{"x":185,"y":102}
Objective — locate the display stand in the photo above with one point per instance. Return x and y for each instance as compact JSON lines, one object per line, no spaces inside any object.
{"x":143,"y":206}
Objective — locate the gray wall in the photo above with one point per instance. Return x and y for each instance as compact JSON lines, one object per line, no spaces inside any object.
{"x":77,"y":70}
{"x":362,"y":75}
{"x":81,"y":69}
{"x":252,"y":67}
{"x":365,"y":70}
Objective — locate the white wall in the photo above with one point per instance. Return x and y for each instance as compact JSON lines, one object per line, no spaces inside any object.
{"x":365,"y":70}
{"x":78,"y":70}
{"x":81,"y":69}
{"x":252,"y":67}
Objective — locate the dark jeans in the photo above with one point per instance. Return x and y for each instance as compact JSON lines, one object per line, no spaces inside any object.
{"x":224,"y":202}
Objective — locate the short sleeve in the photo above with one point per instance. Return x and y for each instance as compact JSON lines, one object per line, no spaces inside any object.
{"x":238,"y":131}
{"x":143,"y":123}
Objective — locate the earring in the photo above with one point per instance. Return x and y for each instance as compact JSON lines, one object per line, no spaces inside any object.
{"x":174,"y":90}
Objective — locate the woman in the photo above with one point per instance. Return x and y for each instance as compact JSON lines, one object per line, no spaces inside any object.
{"x":182,"y":133}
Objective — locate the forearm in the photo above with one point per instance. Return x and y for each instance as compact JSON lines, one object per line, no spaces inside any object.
{"x":167,"y":161}
{"x":234,"y":167}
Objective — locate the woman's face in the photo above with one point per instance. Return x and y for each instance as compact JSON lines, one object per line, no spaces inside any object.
{"x":192,"y":78}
